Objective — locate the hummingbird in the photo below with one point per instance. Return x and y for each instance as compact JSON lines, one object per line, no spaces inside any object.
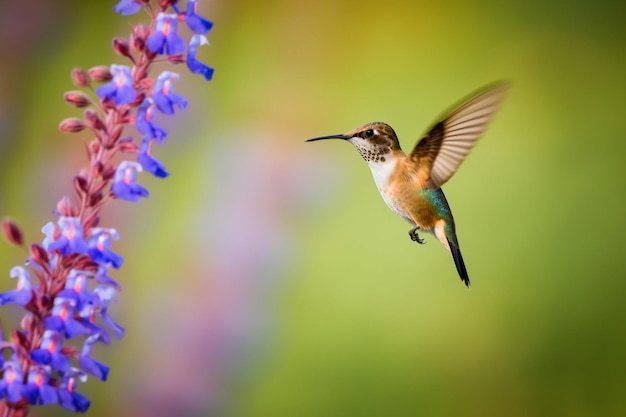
{"x":411,"y":184}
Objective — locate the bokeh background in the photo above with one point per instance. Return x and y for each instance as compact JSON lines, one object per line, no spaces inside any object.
{"x":266,"y":277}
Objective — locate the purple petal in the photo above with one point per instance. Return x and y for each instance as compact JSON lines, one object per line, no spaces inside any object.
{"x":73,"y":401}
{"x":131,"y":192}
{"x":163,"y":103}
{"x":194,"y":65}
{"x":30,"y":392}
{"x":198,"y":24}
{"x":53,"y":323}
{"x":15,"y":391}
{"x":197,"y":67}
{"x":156,"y":42}
{"x":195,"y":22}
{"x":175,"y":44}
{"x":127,"y":7}
{"x":117,"y":329}
{"x":60,"y":362}
{"x":97,"y":369}
{"x":48,"y":395}
{"x":106,"y":256}
{"x":152,"y":165}
{"x":19,"y":297}
{"x":107,"y":90}
{"x":145,"y":124}
{"x":103,"y":278}
{"x":74,"y":328}
{"x":81,"y":403}
{"x":166,"y":103}
{"x":41,"y":356}
{"x":125,"y":94}
{"x":124,"y":185}
{"x":77,"y":245}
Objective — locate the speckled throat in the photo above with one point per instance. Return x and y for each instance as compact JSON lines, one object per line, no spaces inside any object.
{"x":373,"y":153}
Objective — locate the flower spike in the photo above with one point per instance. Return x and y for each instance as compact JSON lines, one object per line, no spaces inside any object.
{"x":69,"y":308}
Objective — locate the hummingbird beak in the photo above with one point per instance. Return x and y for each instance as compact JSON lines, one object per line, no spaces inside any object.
{"x":344,"y":137}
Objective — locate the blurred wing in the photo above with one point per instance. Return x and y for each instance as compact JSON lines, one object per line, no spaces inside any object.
{"x":440,"y":152}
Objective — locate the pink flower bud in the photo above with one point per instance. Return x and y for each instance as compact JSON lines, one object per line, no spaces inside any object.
{"x":79,"y":76}
{"x":71,"y":125}
{"x":121,"y":47}
{"x":39,"y":254}
{"x":12,"y":232}
{"x":27,"y":323}
{"x":80,"y":184}
{"x":108,"y":173}
{"x":138,"y":36}
{"x":97,"y":168}
{"x":93,"y":121}
{"x":64,"y":206}
{"x":100,"y":73}
{"x":77,"y":98}
{"x":95,"y":199}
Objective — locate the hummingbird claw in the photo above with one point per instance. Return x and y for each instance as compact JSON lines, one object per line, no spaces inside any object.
{"x":415,"y":237}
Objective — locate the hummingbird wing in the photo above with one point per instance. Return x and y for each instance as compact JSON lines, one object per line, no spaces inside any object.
{"x":440,"y":152}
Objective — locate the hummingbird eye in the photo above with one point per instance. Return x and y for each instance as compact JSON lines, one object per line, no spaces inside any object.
{"x":369,"y":133}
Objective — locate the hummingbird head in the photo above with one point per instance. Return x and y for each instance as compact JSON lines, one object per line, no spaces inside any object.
{"x":374,"y":141}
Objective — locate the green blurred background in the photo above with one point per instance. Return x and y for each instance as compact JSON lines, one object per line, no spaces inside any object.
{"x":266,"y":277}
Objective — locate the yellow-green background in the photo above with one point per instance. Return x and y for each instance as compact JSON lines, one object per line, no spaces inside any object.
{"x":266,"y":277}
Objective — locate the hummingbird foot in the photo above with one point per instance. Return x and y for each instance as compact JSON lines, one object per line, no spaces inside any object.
{"x":415,"y":237}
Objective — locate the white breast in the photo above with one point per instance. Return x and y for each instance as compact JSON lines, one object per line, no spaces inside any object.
{"x":381,"y":171}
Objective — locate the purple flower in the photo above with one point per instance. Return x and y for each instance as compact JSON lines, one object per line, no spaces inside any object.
{"x":68,"y":240}
{"x":50,"y":352}
{"x":87,"y":316}
{"x":127,"y":7}
{"x":120,"y":88}
{"x":38,"y":387}
{"x":106,"y":295}
{"x":11,"y":383}
{"x":88,"y":364}
{"x":103,"y":278}
{"x":70,"y":399}
{"x":194,"y":65}
{"x":165,"y":36}
{"x":23,"y":293}
{"x":144,"y":122}
{"x":148,"y":162}
{"x":196,"y":23}
{"x":163,"y":97}
{"x":99,"y":244}
{"x":76,"y":288}
{"x":124,"y":185}
{"x":62,"y":318}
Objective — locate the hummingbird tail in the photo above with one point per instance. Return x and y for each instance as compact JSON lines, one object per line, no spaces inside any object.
{"x":460,"y":265}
